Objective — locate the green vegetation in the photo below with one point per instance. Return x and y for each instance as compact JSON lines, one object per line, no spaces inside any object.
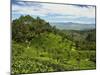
{"x":39,"y":47}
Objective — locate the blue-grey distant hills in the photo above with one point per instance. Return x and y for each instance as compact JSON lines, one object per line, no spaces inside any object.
{"x":73,"y":26}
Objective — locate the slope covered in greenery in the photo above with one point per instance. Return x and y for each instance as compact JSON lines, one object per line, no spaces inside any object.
{"x":39,"y":47}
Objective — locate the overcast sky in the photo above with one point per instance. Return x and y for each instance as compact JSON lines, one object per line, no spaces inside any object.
{"x":55,"y":12}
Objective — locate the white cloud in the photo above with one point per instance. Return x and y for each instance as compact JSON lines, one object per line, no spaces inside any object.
{"x":43,"y":9}
{"x":55,"y":8}
{"x":70,"y":10}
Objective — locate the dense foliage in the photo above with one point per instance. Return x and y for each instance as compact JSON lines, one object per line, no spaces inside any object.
{"x":39,"y":47}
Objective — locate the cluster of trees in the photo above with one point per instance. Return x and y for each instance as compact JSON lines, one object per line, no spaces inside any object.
{"x":39,"y":47}
{"x":27,"y":27}
{"x":84,"y":39}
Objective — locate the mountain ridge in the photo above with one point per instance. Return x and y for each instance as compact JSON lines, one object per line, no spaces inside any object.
{"x":73,"y":26}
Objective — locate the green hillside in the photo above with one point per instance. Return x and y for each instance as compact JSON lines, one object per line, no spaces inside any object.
{"x":39,"y":47}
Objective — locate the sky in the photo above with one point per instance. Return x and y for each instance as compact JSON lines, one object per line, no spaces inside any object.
{"x":55,"y":12}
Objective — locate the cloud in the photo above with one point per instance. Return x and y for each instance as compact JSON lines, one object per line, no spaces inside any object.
{"x":54,"y":12}
{"x":70,"y":10}
{"x":28,"y":8}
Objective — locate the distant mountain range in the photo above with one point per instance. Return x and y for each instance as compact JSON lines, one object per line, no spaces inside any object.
{"x":73,"y":26}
